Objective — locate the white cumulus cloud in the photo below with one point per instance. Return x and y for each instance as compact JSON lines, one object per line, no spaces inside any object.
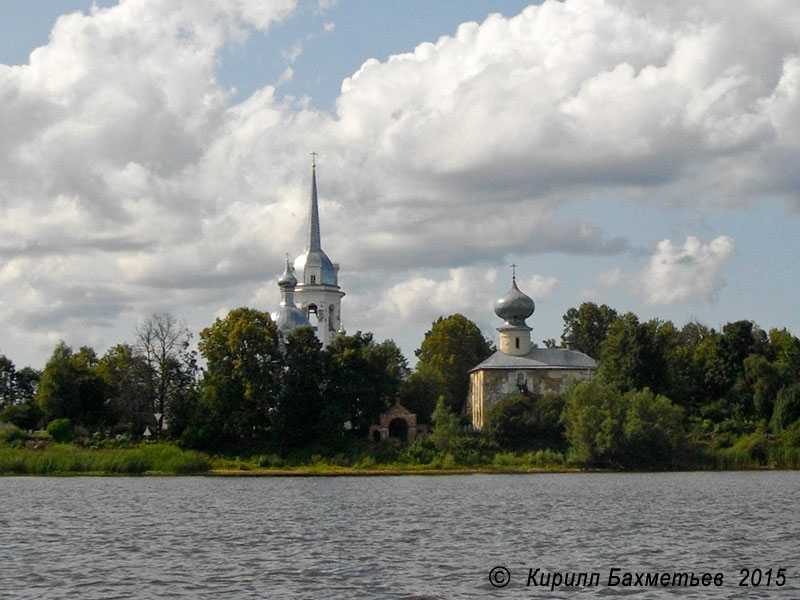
{"x":693,"y":271}
{"x":131,"y":181}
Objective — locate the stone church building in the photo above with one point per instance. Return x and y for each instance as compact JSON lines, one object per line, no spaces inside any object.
{"x":518,"y":367}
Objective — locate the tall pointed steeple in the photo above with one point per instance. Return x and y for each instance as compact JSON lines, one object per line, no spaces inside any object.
{"x":318,"y":290}
{"x":313,"y":244}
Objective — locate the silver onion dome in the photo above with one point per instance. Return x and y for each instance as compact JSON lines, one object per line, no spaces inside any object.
{"x":288,"y":317}
{"x":514,"y":306}
{"x":287,"y":279}
{"x":317,"y":259}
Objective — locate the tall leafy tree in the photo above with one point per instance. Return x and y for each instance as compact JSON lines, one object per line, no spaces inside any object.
{"x":71,"y":388}
{"x":593,"y":419}
{"x":127,"y":376}
{"x":241,"y":383}
{"x":446,"y":427}
{"x":766,"y":378}
{"x":362,"y":378}
{"x":303,"y":417}
{"x":8,"y":382}
{"x":419,"y":394}
{"x":17,"y":391}
{"x":635,"y":355}
{"x":653,"y":432}
{"x":787,"y":407}
{"x":688,"y":385}
{"x":784,"y":348}
{"x":452,"y":347}
{"x":589,"y":324}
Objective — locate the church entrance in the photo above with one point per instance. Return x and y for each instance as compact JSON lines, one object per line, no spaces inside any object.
{"x":398,"y":428}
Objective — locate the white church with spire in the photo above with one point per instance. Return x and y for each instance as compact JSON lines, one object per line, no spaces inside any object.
{"x":310,"y":293}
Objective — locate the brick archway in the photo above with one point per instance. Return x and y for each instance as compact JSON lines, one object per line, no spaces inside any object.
{"x":395,"y":412}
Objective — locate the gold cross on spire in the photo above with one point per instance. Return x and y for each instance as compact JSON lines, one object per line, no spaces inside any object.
{"x":313,"y":160}
{"x":513,"y":271}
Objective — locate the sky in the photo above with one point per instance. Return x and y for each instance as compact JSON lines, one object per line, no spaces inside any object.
{"x":155,"y":156}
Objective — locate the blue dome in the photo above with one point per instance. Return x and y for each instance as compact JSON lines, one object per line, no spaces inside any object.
{"x":316,"y":259}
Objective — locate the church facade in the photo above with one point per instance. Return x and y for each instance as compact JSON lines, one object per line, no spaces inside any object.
{"x":310,"y":293}
{"x":517,"y":367}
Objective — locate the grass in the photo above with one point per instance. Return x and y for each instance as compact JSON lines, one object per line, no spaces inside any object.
{"x":61,"y":459}
{"x":749,"y":452}
{"x":366,"y":464}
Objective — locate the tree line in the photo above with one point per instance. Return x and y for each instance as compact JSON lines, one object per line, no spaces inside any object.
{"x":255,"y":391}
{"x":660,"y":392}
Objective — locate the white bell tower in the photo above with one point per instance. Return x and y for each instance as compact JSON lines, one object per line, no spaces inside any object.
{"x":317,"y":293}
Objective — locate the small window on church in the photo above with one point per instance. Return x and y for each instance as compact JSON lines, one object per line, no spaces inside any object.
{"x":517,"y":342}
{"x":313,"y":279}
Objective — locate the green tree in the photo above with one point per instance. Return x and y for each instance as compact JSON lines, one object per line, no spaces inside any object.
{"x":787,"y":407}
{"x":593,"y":418}
{"x":8,"y":382}
{"x":452,"y":347}
{"x":446,"y":435}
{"x":127,"y":379}
{"x":636,"y":429}
{"x":241,"y":383}
{"x":687,"y":383}
{"x":653,"y":429}
{"x":521,"y":422}
{"x":302,"y":416}
{"x":765,"y":379}
{"x":635,"y":355}
{"x":27,"y":382}
{"x":784,"y":349}
{"x":589,"y":325}
{"x":419,"y":394}
{"x":16,"y":385}
{"x":25,"y":415}
{"x":71,"y":388}
{"x":362,"y":378}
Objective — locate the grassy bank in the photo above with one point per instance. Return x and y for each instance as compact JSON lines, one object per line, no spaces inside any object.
{"x":168,"y":459}
{"x":66,"y":459}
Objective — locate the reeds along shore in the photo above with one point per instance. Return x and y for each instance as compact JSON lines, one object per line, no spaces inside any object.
{"x":169,"y":459}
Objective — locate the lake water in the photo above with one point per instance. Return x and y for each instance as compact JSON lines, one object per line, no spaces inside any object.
{"x":411,"y":537}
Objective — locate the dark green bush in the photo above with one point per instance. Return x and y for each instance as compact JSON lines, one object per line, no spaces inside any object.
{"x":60,"y":430}
{"x":11,"y":435}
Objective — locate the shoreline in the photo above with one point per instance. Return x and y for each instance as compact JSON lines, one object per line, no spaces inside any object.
{"x":345,"y":472}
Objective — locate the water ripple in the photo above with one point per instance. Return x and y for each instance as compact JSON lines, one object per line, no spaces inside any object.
{"x":408,"y":538}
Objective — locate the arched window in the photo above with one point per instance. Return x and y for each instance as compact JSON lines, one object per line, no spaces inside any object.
{"x":332,"y":317}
